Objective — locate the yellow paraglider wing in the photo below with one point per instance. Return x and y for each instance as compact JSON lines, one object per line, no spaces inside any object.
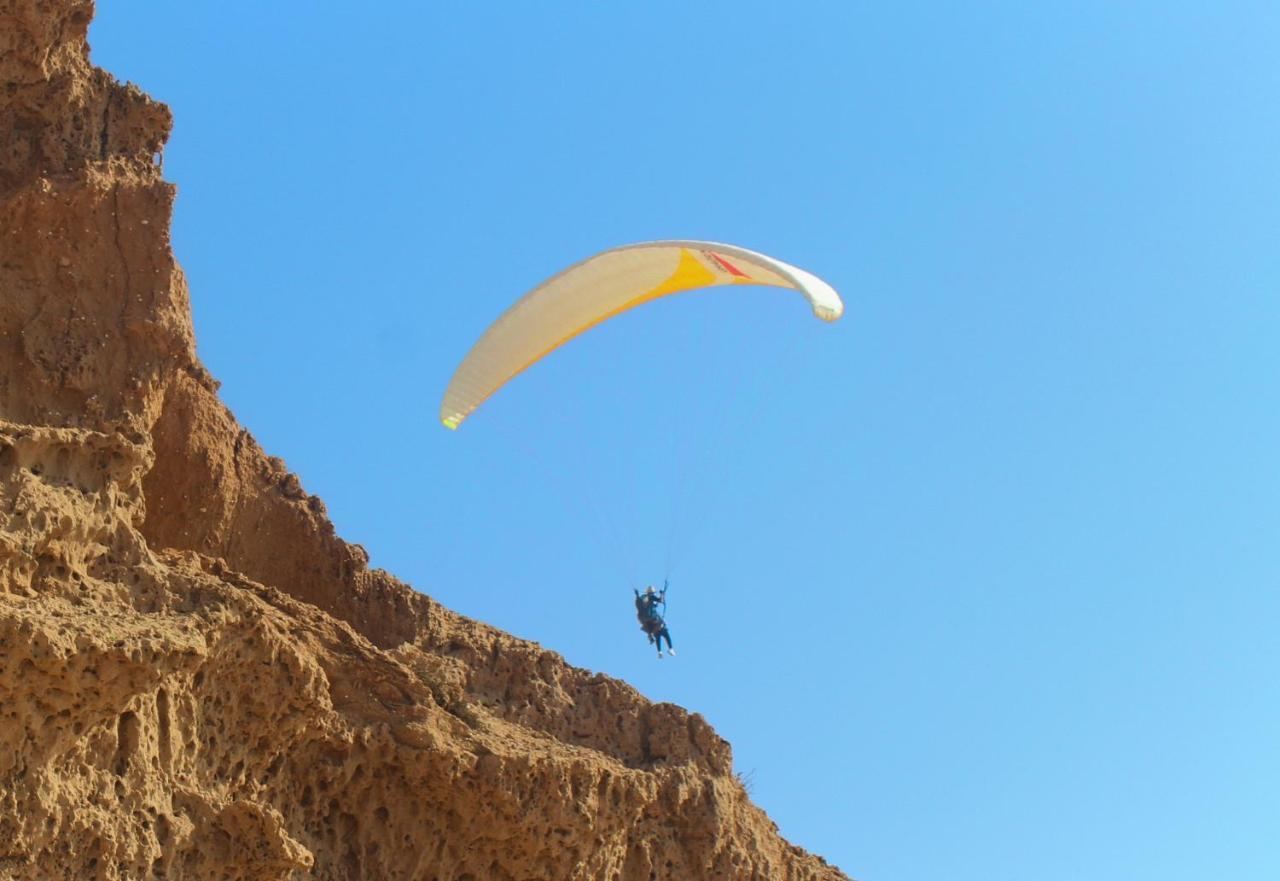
{"x":600,"y":287}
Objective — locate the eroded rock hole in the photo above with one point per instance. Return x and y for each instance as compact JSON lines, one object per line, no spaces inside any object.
{"x":128,"y":731}
{"x":163,"y":722}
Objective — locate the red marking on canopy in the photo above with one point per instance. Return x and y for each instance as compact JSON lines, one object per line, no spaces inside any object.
{"x":726,"y":265}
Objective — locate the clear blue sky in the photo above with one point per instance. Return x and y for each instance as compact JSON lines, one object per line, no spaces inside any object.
{"x":981,"y":582}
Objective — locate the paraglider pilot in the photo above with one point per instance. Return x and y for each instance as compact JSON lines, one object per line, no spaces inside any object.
{"x":647,"y":610}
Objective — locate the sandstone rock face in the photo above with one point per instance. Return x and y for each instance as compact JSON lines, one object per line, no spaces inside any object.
{"x":198,"y":678}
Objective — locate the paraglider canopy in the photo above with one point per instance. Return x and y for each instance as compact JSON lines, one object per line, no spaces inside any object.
{"x":600,"y":287}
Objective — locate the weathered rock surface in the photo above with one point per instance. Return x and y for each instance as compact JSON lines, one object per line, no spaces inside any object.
{"x":198,"y":678}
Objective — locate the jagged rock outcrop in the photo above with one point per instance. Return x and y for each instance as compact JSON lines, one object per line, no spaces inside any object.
{"x":198,"y":678}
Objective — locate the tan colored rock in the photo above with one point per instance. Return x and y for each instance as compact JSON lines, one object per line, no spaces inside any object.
{"x":198,"y":678}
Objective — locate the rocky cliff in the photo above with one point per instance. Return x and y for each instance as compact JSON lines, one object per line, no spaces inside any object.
{"x":198,"y":678}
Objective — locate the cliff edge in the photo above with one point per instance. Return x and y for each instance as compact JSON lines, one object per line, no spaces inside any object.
{"x":198,"y":678}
